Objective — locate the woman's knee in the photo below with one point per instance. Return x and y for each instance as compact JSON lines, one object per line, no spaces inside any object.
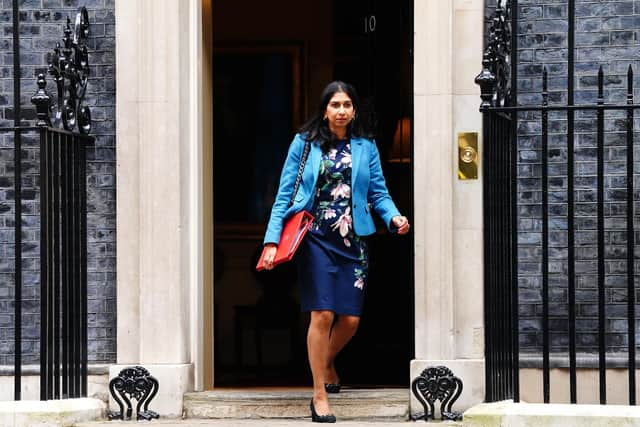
{"x":322,"y":318}
{"x":350,"y":322}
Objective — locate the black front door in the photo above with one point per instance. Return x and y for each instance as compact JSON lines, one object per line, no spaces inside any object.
{"x":265,"y":83}
{"x":372,"y":50}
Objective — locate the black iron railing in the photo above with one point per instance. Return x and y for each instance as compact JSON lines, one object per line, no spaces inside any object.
{"x":18,"y":203}
{"x":63,"y":264}
{"x":500,"y":156}
{"x":63,"y":261}
{"x":501,"y":118}
{"x":62,"y":132}
{"x":501,"y":355}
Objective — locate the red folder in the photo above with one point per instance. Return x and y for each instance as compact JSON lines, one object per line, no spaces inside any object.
{"x":292,"y":234}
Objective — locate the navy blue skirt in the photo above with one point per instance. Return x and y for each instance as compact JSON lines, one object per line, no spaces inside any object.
{"x":332,"y":276}
{"x":332,"y":259}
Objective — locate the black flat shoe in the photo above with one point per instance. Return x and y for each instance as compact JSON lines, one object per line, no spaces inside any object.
{"x":332,"y":388}
{"x":329,"y":418}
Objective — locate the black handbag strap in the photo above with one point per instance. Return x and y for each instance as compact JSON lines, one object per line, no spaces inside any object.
{"x":303,"y":161}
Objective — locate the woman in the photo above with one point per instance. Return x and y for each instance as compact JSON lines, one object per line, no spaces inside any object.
{"x":342,"y":180}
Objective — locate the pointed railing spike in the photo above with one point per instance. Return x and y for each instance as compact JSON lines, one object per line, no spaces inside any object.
{"x":600,"y":85}
{"x":545,"y":87}
{"x":630,"y":84}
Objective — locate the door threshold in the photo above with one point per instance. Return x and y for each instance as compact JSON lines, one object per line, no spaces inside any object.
{"x":293,"y":402}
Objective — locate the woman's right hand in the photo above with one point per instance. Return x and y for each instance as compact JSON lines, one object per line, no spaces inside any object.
{"x":268,"y":255}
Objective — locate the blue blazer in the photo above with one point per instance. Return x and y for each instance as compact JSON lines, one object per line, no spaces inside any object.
{"x":368,"y":188}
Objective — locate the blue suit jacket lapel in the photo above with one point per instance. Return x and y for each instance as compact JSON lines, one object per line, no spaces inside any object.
{"x":356,"y":156}
{"x":315,"y":156}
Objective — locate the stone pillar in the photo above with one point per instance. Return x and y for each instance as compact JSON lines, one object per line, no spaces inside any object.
{"x":448,"y":214}
{"x":159,"y":176}
{"x":468,"y":252}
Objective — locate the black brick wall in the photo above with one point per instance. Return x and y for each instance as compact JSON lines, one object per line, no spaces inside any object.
{"x":606,"y":34}
{"x":41,"y":26}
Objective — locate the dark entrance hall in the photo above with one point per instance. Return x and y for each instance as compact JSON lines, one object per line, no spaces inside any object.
{"x":271,"y":60}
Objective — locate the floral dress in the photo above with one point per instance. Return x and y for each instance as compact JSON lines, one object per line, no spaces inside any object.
{"x":334,"y":260}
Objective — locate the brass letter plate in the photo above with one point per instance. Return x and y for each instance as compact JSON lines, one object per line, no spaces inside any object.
{"x":468,"y":155}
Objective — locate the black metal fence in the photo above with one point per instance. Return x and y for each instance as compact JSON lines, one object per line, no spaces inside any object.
{"x":63,"y":264}
{"x":501,"y":296}
{"x":62,"y":134}
{"x":502,"y":116}
{"x":63,"y":261}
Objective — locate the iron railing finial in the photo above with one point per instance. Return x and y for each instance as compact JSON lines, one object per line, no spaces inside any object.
{"x":487,"y":81}
{"x":42,"y":100}
{"x":495,"y":77}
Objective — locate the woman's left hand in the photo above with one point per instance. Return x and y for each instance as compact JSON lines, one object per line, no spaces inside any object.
{"x":401,"y":223}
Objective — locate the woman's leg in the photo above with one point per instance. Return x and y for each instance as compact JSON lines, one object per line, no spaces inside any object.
{"x":318,"y":349}
{"x":342,"y":332}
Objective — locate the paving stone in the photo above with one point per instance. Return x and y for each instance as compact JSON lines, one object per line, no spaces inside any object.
{"x":267,"y":423}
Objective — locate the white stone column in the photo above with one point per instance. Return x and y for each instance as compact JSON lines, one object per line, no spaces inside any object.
{"x":448,"y":212}
{"x":159,"y":178}
{"x":468,"y":266}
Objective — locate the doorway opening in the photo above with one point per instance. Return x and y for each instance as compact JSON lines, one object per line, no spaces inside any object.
{"x":271,"y":61}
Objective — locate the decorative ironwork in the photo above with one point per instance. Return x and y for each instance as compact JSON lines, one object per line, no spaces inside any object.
{"x":42,"y":101}
{"x":69,"y":66}
{"x":501,"y":211}
{"x":138,"y":383}
{"x":495,"y":78}
{"x":437,"y":383}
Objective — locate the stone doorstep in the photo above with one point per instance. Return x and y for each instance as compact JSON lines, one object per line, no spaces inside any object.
{"x":509,"y":414}
{"x":52,"y":413}
{"x":280,"y":422}
{"x":390,"y":404}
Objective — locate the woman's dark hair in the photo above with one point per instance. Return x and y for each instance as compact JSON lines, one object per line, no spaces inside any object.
{"x":316,"y":129}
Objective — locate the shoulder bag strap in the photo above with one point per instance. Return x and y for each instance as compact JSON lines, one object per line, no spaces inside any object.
{"x":303,"y":161}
